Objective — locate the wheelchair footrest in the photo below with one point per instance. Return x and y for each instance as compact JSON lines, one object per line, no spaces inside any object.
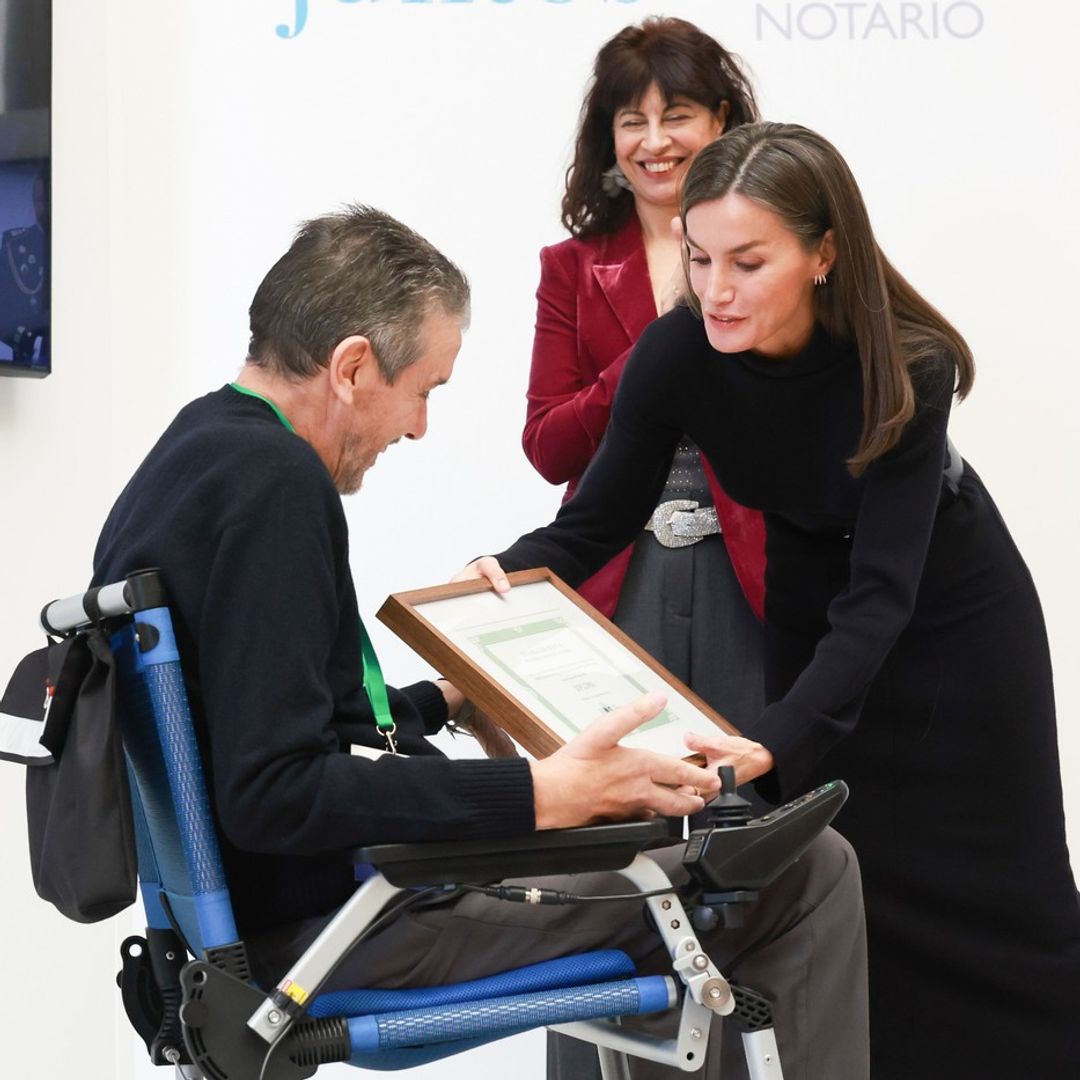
{"x":388,"y":1031}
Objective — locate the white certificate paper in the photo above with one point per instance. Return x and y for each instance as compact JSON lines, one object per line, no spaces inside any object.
{"x":560,"y":663}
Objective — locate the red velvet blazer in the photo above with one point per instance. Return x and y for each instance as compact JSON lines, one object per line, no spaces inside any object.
{"x":593,"y":302}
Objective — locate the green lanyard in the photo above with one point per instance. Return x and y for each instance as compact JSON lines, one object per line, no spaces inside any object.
{"x":374,"y":683}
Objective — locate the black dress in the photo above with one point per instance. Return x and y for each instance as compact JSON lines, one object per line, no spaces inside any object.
{"x":906,"y":653}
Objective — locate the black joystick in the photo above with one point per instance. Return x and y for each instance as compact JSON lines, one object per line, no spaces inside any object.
{"x":735,"y":857}
{"x":729,"y":809}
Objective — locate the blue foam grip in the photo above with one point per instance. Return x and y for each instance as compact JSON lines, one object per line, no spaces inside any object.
{"x":159,"y":740}
{"x":161,"y":855}
{"x":591,"y":967}
{"x":181,"y":753}
{"x":479,"y":1018}
{"x":413,"y":1057}
{"x":655,"y":993}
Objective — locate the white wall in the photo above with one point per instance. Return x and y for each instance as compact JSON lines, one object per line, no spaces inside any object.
{"x":191,"y":138}
{"x":56,"y":444}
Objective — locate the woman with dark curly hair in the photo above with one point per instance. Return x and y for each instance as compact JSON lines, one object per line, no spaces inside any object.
{"x":661,"y":91}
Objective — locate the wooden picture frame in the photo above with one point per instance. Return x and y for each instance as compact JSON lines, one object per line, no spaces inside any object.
{"x":506,"y":661}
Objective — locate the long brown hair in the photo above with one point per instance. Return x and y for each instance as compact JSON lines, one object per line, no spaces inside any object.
{"x":801,"y":177}
{"x":683,"y":61}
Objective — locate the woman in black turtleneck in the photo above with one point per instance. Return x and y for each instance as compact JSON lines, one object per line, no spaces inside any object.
{"x":906,"y":651}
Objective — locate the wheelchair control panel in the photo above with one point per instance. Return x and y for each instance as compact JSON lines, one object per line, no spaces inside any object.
{"x":737,"y":856}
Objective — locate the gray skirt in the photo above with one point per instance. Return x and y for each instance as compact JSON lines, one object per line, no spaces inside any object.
{"x":685,"y":607}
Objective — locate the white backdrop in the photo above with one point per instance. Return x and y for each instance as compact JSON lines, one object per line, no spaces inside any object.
{"x":191,"y":138}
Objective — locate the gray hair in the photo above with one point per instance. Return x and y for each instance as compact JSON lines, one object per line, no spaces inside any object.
{"x":356,"y":272}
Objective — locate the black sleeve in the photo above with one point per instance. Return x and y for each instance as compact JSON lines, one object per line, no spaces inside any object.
{"x":889,"y":546}
{"x":625,"y":479}
{"x":280,"y":783}
{"x":427,"y":702}
{"x":419,"y":710}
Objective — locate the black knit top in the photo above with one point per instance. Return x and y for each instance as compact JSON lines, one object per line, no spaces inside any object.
{"x":844,"y":556}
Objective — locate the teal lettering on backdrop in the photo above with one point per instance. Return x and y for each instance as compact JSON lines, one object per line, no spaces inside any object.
{"x":290,"y":31}
{"x":910,"y":20}
{"x":283,"y":30}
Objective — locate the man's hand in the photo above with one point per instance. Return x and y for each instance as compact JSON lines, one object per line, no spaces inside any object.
{"x":487,"y":567}
{"x":750,"y":759}
{"x":593,"y":778}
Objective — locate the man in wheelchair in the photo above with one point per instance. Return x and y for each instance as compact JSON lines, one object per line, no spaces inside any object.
{"x":239,"y":506}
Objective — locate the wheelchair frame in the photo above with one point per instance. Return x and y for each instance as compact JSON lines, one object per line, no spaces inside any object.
{"x":272,"y":1020}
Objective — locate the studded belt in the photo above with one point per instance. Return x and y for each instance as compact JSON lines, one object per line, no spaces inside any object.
{"x":682,"y":522}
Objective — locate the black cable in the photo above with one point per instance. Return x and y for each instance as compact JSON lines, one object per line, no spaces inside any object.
{"x":521,"y":894}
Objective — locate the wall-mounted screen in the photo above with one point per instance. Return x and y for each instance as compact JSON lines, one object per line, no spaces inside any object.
{"x":25,"y":187}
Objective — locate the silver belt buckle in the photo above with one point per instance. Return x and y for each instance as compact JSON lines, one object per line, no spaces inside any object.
{"x":681,"y":522}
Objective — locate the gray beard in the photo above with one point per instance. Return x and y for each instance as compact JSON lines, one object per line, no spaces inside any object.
{"x":351,"y":466}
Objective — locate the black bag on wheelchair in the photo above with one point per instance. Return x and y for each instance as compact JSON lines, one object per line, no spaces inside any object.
{"x":58,"y":717}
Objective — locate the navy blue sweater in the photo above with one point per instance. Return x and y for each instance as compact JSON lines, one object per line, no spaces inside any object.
{"x":243,"y":520}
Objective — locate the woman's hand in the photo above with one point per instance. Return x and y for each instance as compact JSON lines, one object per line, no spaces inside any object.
{"x":488,"y":567}
{"x":749,"y":759}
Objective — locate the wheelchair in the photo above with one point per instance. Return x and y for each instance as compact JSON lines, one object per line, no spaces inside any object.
{"x":187,"y":986}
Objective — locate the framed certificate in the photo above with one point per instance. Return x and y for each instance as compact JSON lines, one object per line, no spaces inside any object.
{"x":542,"y":662}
